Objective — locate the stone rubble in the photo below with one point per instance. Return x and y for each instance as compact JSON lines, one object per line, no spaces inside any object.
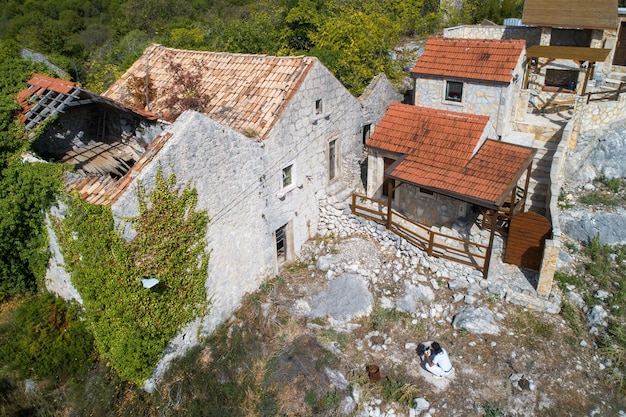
{"x":372,"y":259}
{"x":412,"y":265}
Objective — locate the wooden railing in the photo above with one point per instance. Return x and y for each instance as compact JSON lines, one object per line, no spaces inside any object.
{"x":434,"y":243}
{"x":610,"y":95}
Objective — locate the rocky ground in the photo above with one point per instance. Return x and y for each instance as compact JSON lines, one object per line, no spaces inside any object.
{"x":370,"y":297}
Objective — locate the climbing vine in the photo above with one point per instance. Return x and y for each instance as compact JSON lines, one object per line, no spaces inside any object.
{"x":132,"y":324}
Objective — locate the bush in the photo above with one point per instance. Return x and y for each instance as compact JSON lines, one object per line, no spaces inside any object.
{"x":46,"y":338}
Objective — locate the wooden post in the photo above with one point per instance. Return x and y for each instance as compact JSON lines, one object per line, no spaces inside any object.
{"x":353,"y":203}
{"x":526,"y":187}
{"x":493,"y":219}
{"x":389,"y":200}
{"x":527,"y":73}
{"x":513,"y":195}
{"x":431,"y":242}
{"x":587,"y":74}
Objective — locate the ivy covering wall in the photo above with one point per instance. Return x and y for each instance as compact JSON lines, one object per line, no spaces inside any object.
{"x":132,"y":324}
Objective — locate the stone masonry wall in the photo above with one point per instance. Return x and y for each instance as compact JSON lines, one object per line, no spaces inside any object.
{"x":302,"y":138}
{"x":530,"y":34}
{"x":484,"y":99}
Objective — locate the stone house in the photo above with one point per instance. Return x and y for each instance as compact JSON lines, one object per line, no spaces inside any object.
{"x":475,"y":76}
{"x":265,"y":140}
{"x":449,"y":161}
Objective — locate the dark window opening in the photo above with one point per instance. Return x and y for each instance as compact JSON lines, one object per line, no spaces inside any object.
{"x":570,"y":37}
{"x":390,"y":183}
{"x":427,"y":192}
{"x":318,"y":106}
{"x":565,"y":79}
{"x":454,"y":91}
{"x":281,"y":244}
{"x":366,"y":133}
{"x":287,"y":176}
{"x":332,"y":159}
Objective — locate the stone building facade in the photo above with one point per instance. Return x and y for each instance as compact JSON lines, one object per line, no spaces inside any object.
{"x":288,"y":136}
{"x":479,"y":91}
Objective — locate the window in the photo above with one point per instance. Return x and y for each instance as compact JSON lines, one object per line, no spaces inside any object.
{"x":426,"y":192}
{"x":366,"y":133}
{"x":287,"y":176}
{"x":564,"y":79}
{"x":454,"y":91}
{"x":281,"y":244}
{"x":332,"y":159}
{"x":318,"y":106}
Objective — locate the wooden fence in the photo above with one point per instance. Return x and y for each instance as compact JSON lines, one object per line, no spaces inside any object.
{"x":609,"y":95}
{"x":434,"y":243}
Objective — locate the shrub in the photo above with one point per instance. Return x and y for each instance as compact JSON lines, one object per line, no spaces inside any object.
{"x":46,"y":338}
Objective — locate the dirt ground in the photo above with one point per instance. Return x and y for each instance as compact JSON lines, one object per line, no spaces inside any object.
{"x":560,"y":373}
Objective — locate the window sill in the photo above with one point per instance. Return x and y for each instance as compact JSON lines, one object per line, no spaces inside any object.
{"x":284,"y":191}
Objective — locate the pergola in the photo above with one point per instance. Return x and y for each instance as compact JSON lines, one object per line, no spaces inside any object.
{"x":574,"y":53}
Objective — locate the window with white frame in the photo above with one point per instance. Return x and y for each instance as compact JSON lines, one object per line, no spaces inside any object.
{"x":454,"y":91}
{"x":288,"y":176}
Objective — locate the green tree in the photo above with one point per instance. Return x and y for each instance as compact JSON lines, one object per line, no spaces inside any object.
{"x":26,"y":189}
{"x":355,"y":46}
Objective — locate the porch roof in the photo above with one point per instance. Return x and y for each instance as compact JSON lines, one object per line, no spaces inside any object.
{"x":568,"y":52}
{"x":445,"y":152}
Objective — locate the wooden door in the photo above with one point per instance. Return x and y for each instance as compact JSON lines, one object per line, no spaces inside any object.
{"x":527,"y":235}
{"x":389,"y":183}
{"x":620,"y":49}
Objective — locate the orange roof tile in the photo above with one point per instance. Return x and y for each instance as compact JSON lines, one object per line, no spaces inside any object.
{"x":443,"y":153}
{"x":476,"y":59}
{"x":244,"y":92}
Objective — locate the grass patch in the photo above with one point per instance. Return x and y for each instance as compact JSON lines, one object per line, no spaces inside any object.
{"x":533,"y":327}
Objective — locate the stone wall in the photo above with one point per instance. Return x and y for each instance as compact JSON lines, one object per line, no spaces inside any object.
{"x":599,"y":114}
{"x":531,"y":35}
{"x":494,"y":100}
{"x":544,"y":133}
{"x":376,"y":98}
{"x":82,"y":124}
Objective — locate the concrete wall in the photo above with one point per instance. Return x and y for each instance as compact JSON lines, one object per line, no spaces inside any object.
{"x":498,"y":101}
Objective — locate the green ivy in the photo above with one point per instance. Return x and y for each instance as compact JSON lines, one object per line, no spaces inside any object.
{"x":131,"y":324}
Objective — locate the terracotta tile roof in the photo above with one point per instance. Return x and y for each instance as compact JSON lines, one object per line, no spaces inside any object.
{"x":105,"y":189}
{"x":244,"y":92}
{"x":583,"y":14}
{"x":443,"y":152}
{"x":476,"y":59}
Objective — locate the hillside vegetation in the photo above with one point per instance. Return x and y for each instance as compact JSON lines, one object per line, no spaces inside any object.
{"x":95,"y":41}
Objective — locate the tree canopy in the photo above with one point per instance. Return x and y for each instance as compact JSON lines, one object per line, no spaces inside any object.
{"x":95,"y":41}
